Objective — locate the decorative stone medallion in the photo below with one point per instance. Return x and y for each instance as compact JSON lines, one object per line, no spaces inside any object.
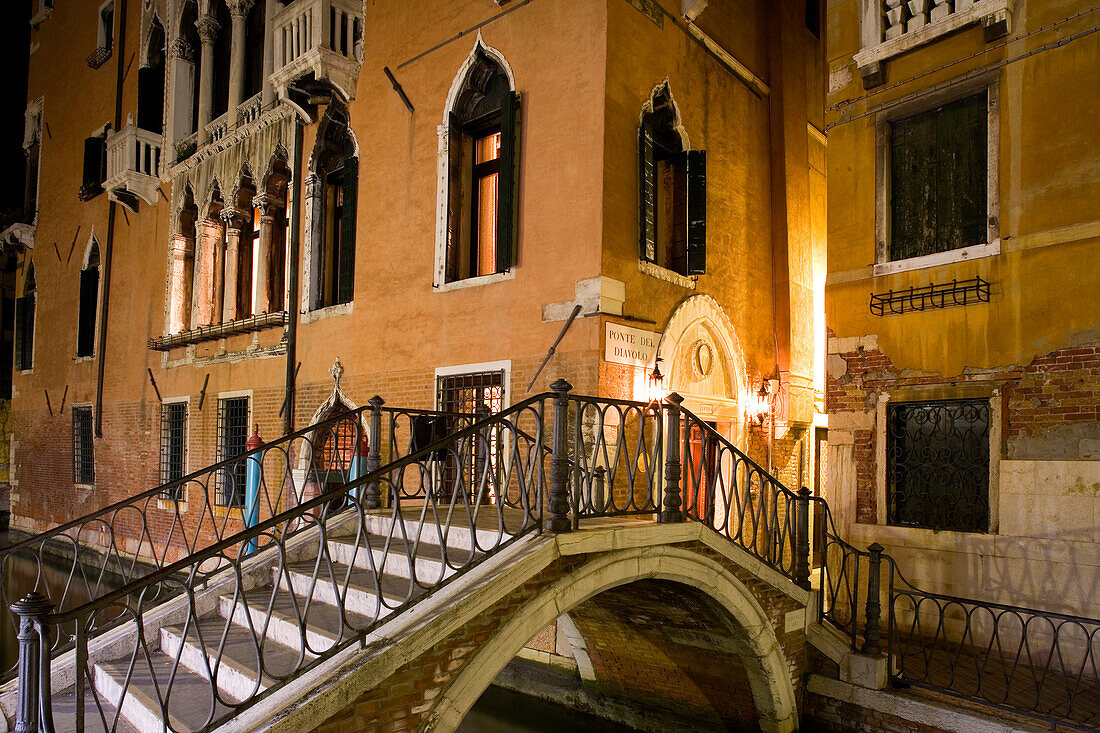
{"x":702,"y":359}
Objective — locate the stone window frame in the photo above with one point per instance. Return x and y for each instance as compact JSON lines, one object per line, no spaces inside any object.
{"x":91,"y":444}
{"x":162,"y":502}
{"x":86,"y":265}
{"x":504,"y":365}
{"x":930,"y":393}
{"x":225,"y":510}
{"x":443,"y":168}
{"x":105,"y":37}
{"x":917,"y":104}
{"x":33,"y":124}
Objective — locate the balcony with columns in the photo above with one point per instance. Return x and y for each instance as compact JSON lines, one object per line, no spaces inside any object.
{"x":892,"y":27}
{"x":321,"y":38}
{"x":133,"y":164}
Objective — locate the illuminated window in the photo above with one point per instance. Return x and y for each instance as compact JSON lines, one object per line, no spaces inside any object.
{"x":481,"y":174}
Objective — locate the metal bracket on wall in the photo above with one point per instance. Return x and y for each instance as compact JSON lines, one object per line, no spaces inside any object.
{"x":931,"y":296}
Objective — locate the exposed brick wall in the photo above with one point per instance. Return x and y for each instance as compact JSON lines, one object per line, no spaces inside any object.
{"x":1051,"y":405}
{"x":837,"y":716}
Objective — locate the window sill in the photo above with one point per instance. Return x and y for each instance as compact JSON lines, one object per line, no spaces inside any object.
{"x":80,"y":485}
{"x":473,"y":282}
{"x":171,"y":506}
{"x":232,"y":512}
{"x":964,"y":254}
{"x":330,"y":311}
{"x":82,"y":359}
{"x":663,"y":273}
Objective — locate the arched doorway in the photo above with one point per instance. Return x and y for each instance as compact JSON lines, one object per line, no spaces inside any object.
{"x":704,"y":365}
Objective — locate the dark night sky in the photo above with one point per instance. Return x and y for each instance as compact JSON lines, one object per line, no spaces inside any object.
{"x":14,"y":47}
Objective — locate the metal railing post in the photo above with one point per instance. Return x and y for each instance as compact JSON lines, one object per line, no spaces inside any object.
{"x":600,"y":498}
{"x":482,"y":450}
{"x":802,"y":539}
{"x":671,"y":505}
{"x":34,"y":712}
{"x":559,"y":461}
{"x":374,"y":451}
{"x":872,"y":632}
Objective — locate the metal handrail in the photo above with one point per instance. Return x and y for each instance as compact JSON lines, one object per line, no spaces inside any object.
{"x":465,"y":496}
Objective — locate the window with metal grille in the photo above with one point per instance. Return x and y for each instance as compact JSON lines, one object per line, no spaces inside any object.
{"x":173,"y":445}
{"x":937,"y":464}
{"x":83,"y":456}
{"x":24,"y":322}
{"x":232,"y":441}
{"x":466,"y":393}
{"x":939,"y":179}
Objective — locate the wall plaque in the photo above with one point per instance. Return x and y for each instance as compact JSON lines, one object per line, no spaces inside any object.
{"x":632,"y":346}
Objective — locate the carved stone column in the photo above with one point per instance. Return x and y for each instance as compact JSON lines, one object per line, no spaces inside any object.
{"x":238,"y":11}
{"x":208,"y":32}
{"x":263,"y":292}
{"x":268,"y":95}
{"x":234,"y":220}
{"x":210,"y":272}
{"x":183,"y":262}
{"x":181,"y":60}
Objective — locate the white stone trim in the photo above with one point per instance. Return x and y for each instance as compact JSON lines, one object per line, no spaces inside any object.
{"x":990,"y":84}
{"x":663,"y":273}
{"x":875,"y":50}
{"x":504,"y":365}
{"x":320,"y":314}
{"x":765,"y":664}
{"x":443,"y":170}
{"x":699,"y":308}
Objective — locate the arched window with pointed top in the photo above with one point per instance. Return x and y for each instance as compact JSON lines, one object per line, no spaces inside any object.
{"x":89,"y":302}
{"x":672,"y":190}
{"x":150,"y":110}
{"x":24,"y":322}
{"x":332,"y":193}
{"x":479,"y":153}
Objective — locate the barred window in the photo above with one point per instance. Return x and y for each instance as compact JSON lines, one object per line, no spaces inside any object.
{"x":173,"y":445}
{"x":937,"y":464}
{"x":232,"y":441}
{"x":83,"y":457}
{"x":466,"y":393}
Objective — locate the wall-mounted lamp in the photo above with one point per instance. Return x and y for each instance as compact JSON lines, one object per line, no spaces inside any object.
{"x":655,"y":388}
{"x":762,"y":403}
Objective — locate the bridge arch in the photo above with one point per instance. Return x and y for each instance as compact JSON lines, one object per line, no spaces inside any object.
{"x":763,"y":660}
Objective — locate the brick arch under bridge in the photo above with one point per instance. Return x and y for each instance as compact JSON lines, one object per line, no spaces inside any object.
{"x":426,"y":673}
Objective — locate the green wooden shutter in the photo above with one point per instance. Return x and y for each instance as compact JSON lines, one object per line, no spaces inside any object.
{"x":647,"y":192}
{"x":346,"y":259}
{"x":913,"y":187}
{"x":696,"y":169}
{"x":89,"y":296}
{"x":508,"y":181}
{"x":454,"y":201}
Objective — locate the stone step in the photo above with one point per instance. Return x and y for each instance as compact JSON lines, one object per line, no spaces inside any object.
{"x":190,"y":706}
{"x":397,"y":557}
{"x":357,"y":590}
{"x":242,"y":664}
{"x":434,"y":528}
{"x":280,"y":625}
{"x":64,"y":713}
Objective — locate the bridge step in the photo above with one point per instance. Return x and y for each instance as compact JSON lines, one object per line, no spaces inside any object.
{"x":360,"y":588}
{"x":239,"y":663}
{"x":436,"y":531}
{"x":191,"y":705}
{"x":396,"y":557}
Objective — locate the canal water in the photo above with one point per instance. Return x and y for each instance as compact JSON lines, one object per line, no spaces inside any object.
{"x":503,"y":711}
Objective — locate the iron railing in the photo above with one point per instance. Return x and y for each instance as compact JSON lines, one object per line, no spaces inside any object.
{"x":85,"y":559}
{"x":325,"y":568}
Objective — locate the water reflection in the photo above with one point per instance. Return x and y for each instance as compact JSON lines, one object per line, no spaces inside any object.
{"x":21,"y":573}
{"x":503,"y":711}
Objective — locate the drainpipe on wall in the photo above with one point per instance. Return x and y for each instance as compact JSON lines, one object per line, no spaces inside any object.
{"x":108,"y":248}
{"x":292,"y":281}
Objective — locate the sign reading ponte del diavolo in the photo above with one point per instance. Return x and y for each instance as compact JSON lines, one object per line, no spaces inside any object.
{"x":631,"y":346}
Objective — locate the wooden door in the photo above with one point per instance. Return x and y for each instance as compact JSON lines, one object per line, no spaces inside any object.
{"x":698,"y":473}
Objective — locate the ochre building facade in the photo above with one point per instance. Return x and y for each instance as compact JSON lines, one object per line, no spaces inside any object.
{"x":963,"y":353}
